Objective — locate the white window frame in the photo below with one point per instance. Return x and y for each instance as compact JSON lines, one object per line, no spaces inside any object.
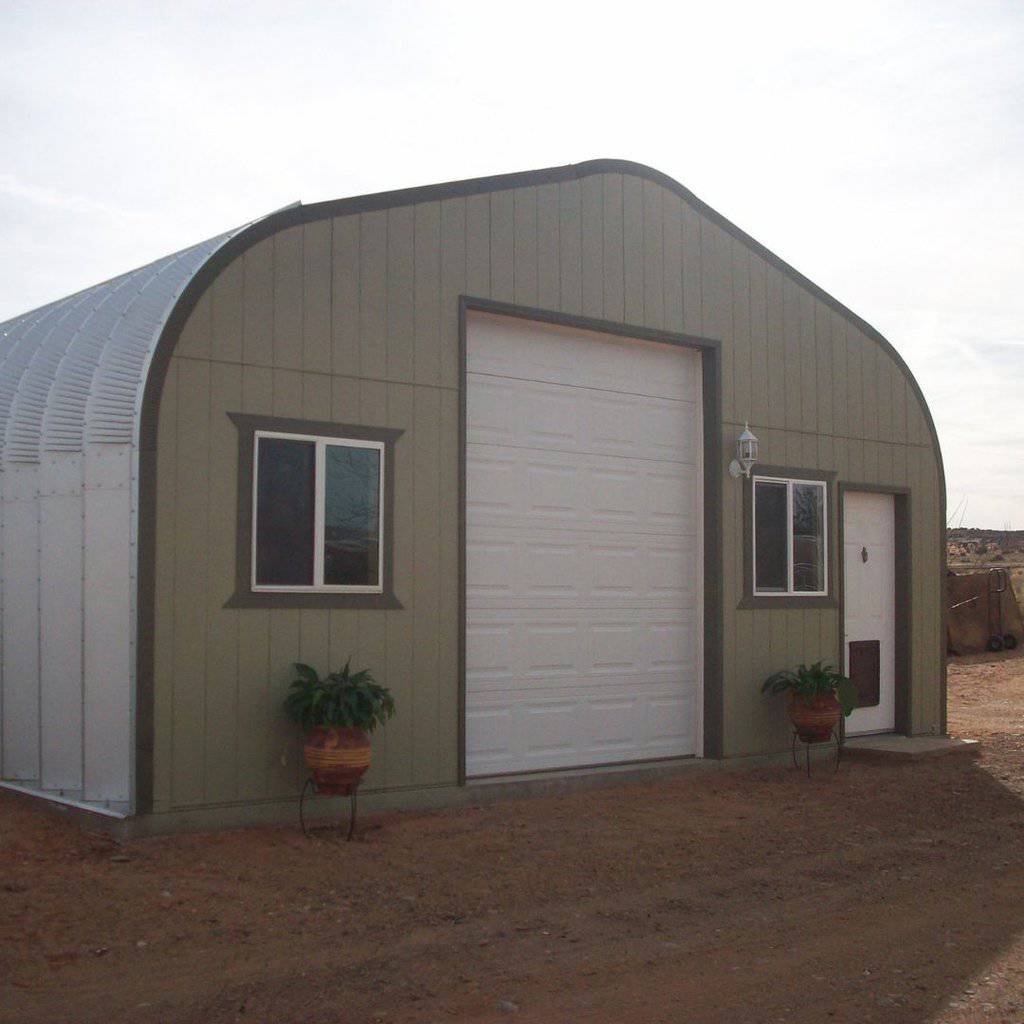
{"x":790,"y":482}
{"x":320,"y":462}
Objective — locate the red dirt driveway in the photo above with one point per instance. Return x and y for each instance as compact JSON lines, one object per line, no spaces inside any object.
{"x":883,"y":893}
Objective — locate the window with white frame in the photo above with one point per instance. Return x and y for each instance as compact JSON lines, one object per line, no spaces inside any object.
{"x":790,"y":537}
{"x":317,"y":505}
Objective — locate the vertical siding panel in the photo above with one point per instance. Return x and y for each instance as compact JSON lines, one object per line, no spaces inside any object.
{"x":401,"y":732}
{"x":345,"y":296}
{"x":314,"y":640}
{"x":316,"y":296}
{"x":899,"y":466}
{"x":343,"y":640}
{"x":190,"y":595}
{"x":826,"y":457}
{"x":548,"y":284}
{"x":823,"y":352}
{"x":794,"y":447}
{"x":883,"y":385}
{"x":809,"y":451}
{"x":841,"y":458}
{"x":163,"y":587}
{"x":503,"y":284}
{"x":284,"y":763}
{"x":776,"y":342}
{"x":791,"y":355}
{"x":287,"y":394}
{"x":592,"y":246}
{"x":427,"y":584}
{"x":692,"y":272}
{"x":316,"y":396}
{"x":478,"y":246}
{"x":871,"y":462}
{"x":194,"y":342}
{"x":448,"y":711}
{"x":716,"y":305}
{"x":345,"y":400}
{"x":758,"y":322}
{"x":570,"y":234}
{"x":613,"y":277}
{"x":884,"y":464}
{"x":855,"y":455}
{"x":427,"y":296}
{"x":840,"y":378}
{"x":453,"y":284}
{"x":254,"y":696}
{"x":524,"y":246}
{"x":400,"y":289}
{"x":869,"y":386}
{"x":343,"y":623}
{"x":672,"y":261}
{"x":808,"y":364}
{"x":372,"y":651}
{"x":762,"y":662}
{"x":741,"y":332}
{"x":258,"y":319}
{"x":373,"y":311}
{"x":221,"y":782}
{"x":854,"y":384}
{"x":288,"y":278}
{"x":633,"y":249}
{"x":654,"y":255}
{"x":900,"y":400}
{"x":226,"y":298}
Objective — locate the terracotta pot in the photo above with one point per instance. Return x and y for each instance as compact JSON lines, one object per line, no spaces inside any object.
{"x":337,"y":756}
{"x":815,"y":719}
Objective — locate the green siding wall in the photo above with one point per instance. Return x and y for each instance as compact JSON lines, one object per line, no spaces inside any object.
{"x":355,"y":319}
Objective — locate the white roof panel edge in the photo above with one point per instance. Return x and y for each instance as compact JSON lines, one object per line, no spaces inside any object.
{"x":73,"y":372}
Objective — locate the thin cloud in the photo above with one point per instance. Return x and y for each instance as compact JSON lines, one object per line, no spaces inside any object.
{"x":53,"y":199}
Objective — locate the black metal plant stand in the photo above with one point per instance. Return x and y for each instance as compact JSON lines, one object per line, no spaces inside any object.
{"x":833,"y":737}
{"x":309,"y":790}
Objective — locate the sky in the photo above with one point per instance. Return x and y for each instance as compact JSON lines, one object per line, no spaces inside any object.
{"x":877,"y":147}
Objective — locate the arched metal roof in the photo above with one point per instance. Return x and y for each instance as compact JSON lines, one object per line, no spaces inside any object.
{"x":73,"y":372}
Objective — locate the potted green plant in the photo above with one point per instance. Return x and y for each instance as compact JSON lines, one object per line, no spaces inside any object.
{"x":818,"y":697}
{"x":337,"y":713}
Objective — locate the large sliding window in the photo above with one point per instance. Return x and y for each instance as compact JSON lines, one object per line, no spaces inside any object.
{"x":317,"y":505}
{"x":790,"y":537}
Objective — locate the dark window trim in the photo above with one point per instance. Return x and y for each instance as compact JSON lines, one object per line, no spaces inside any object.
{"x":768,"y":601}
{"x":244,"y":596}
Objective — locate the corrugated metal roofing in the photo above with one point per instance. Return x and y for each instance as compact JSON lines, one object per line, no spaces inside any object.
{"x":73,"y":372}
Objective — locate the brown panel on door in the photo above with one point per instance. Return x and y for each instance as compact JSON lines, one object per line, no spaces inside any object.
{"x":865,"y":670}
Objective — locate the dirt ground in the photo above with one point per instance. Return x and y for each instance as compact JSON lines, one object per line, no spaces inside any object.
{"x":882,"y":893}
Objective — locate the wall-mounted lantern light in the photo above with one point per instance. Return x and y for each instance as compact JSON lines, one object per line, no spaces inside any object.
{"x":746,"y":453}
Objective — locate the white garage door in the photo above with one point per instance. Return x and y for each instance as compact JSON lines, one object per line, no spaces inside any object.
{"x":583,"y":548}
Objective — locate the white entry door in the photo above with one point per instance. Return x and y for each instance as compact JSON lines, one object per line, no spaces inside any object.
{"x":583,"y":548}
{"x":869,"y":574}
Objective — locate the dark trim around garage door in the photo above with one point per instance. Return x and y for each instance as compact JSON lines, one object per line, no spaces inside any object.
{"x":710,"y":351}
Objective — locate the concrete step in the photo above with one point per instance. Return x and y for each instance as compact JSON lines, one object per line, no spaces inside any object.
{"x":909,"y":748}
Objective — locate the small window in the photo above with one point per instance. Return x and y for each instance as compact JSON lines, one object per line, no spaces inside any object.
{"x":317,"y":514}
{"x":790,"y":537}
